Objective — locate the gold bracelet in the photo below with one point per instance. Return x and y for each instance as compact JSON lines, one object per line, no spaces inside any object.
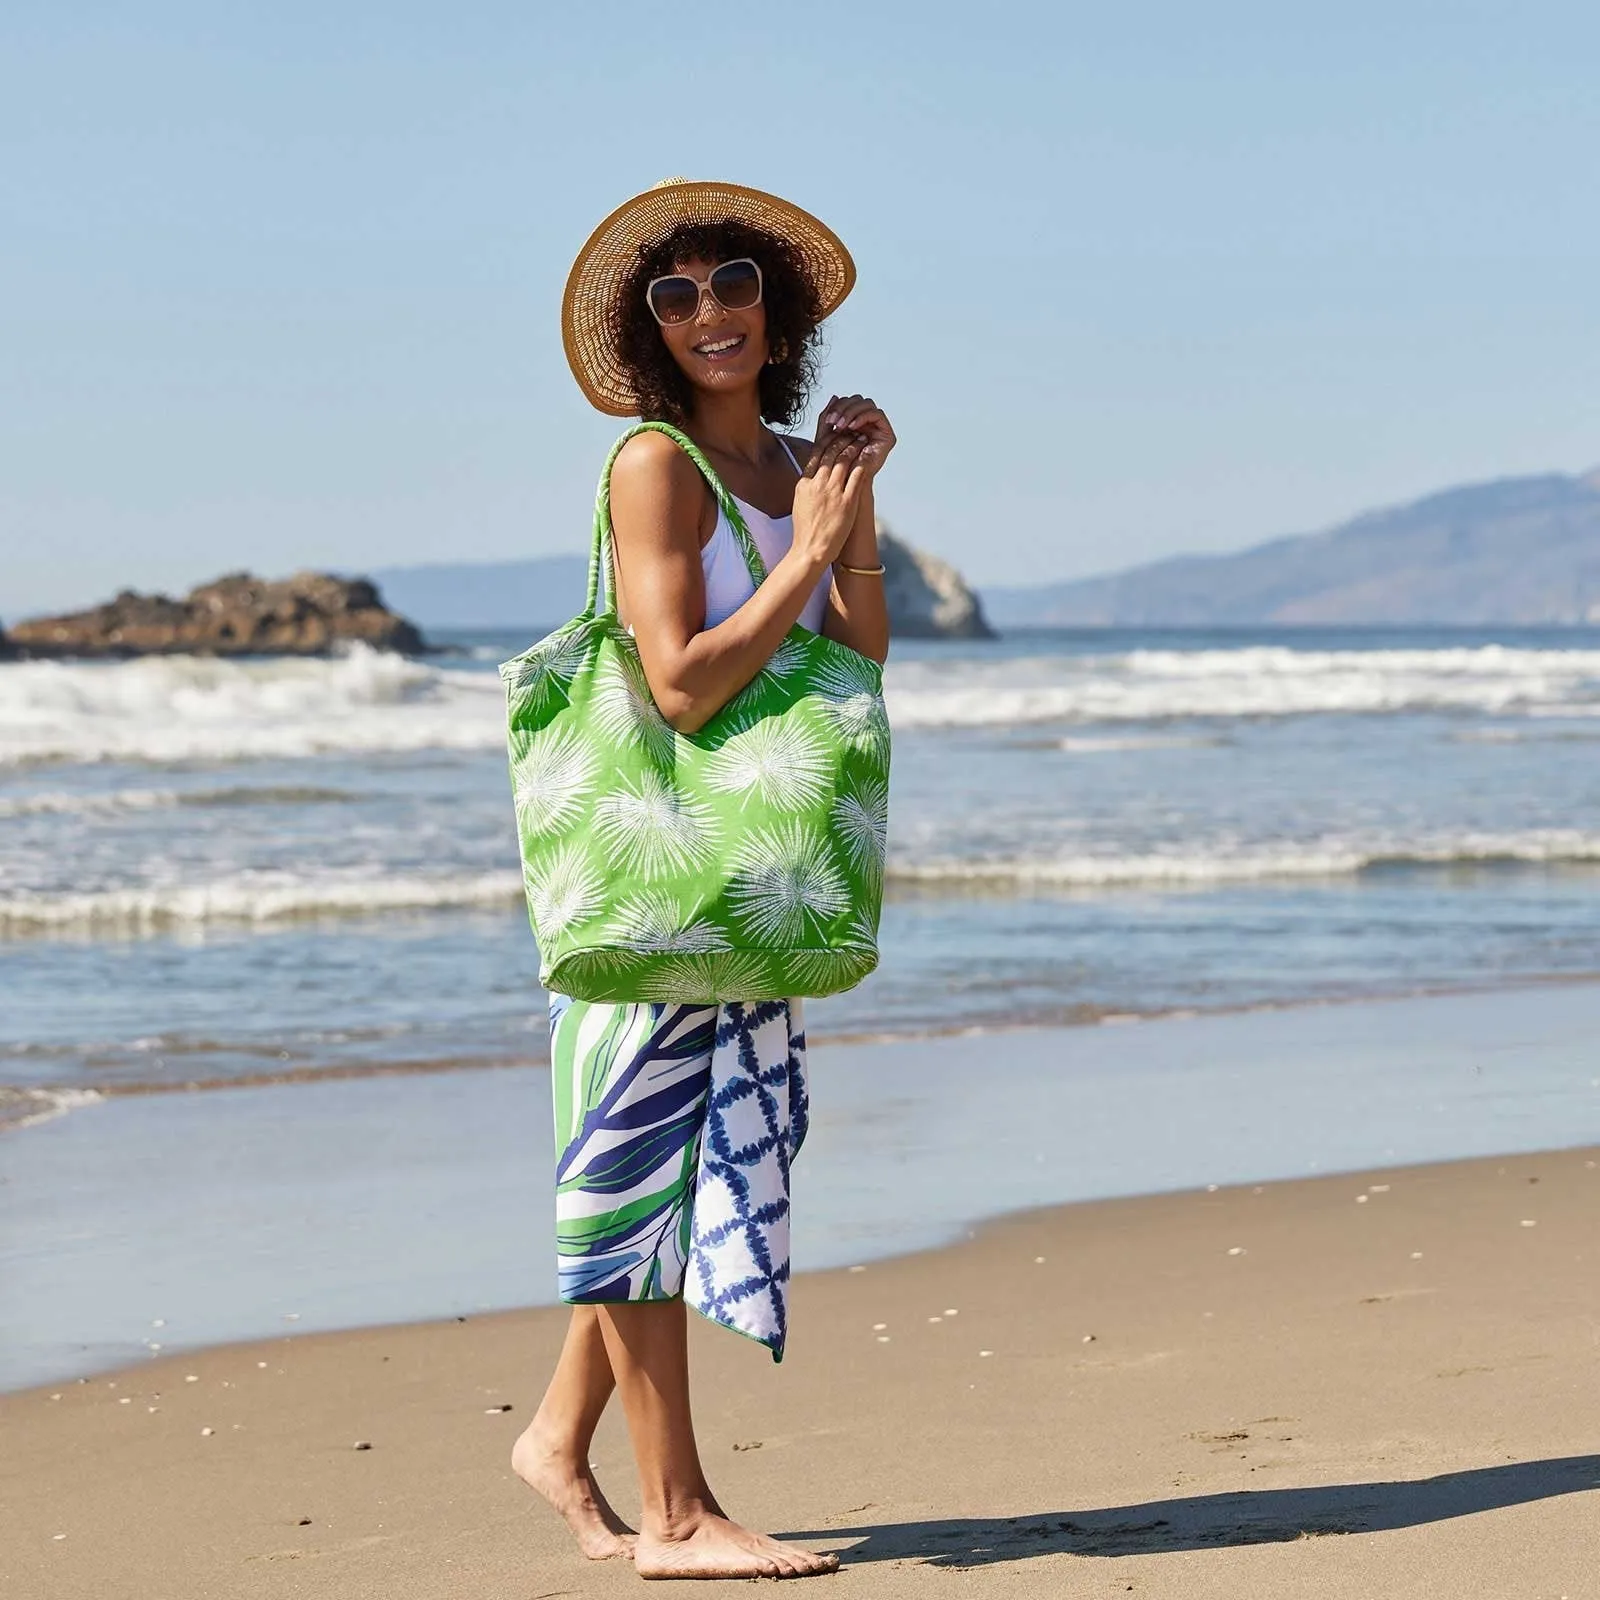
{"x":860,"y":572}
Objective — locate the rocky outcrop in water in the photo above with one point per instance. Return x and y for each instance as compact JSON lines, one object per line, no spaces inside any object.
{"x":313,"y":613}
{"x":309,"y":614}
{"x":928,"y":598}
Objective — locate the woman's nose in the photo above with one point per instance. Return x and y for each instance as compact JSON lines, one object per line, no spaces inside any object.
{"x":709,"y":311}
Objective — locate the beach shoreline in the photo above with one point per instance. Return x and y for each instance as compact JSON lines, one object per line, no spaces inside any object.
{"x":1345,"y":1385}
{"x":145,"y":1224}
{"x":72,"y":1096}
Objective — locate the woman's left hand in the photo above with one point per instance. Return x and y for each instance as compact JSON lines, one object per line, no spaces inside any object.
{"x":855,"y":413}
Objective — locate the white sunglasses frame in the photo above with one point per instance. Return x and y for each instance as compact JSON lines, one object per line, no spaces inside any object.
{"x":706,"y":289}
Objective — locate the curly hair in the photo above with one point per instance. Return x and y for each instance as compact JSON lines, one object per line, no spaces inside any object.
{"x":663,"y":392}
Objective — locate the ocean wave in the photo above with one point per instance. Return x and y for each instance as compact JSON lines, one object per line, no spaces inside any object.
{"x":247,"y":900}
{"x":23,"y":1108}
{"x":1317,"y":859}
{"x":267,"y":900}
{"x":1536,"y":736}
{"x":172,"y":709}
{"x":117,"y":801}
{"x":87,"y":805}
{"x":1258,"y":681}
{"x":1106,"y":744}
{"x":166,"y":709}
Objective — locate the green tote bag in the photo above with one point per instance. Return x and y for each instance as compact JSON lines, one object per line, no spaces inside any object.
{"x":740,"y":862}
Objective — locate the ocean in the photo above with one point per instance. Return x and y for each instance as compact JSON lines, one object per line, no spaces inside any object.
{"x":219,"y":873}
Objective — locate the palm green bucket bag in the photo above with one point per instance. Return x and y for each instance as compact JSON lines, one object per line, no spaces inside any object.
{"x":740,"y":862}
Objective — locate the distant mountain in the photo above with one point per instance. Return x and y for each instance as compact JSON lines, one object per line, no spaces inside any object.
{"x":927,"y":597}
{"x":1518,"y":550}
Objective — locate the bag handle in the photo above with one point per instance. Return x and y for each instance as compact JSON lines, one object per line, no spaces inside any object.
{"x":602,"y":550}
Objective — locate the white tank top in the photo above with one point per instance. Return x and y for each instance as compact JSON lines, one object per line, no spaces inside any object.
{"x":728,"y":581}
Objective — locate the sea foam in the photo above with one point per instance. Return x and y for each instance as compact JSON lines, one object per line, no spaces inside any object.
{"x":186,"y":708}
{"x":1264,"y":681}
{"x":174,"y":709}
{"x":23,"y":1108}
{"x":1321,"y":858}
{"x":263,"y":900}
{"x":249,"y":899}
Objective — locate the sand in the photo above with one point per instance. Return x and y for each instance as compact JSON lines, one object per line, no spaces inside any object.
{"x":1379,"y":1386}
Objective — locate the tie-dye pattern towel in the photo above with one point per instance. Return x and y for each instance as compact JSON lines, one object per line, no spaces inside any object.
{"x":676,"y":1126}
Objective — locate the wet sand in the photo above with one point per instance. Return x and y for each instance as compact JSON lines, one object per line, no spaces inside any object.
{"x":192,"y":1220}
{"x":1384,"y":1385}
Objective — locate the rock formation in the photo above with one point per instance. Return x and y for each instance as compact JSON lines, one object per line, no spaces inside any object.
{"x":928,"y":598}
{"x":308,"y":614}
{"x":313,"y":612}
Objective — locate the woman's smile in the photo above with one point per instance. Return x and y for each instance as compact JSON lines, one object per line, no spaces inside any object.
{"x":719,"y":346}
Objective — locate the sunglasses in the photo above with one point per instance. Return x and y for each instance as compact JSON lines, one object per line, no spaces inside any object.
{"x":734,"y":285}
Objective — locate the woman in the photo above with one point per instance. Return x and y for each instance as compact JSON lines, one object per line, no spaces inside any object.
{"x":696,"y":304}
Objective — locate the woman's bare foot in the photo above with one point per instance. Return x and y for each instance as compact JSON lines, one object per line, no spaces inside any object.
{"x":570,"y":1488}
{"x":709,"y":1545}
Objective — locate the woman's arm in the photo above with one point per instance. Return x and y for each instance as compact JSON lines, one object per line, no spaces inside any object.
{"x":858,"y":611}
{"x":657,"y":500}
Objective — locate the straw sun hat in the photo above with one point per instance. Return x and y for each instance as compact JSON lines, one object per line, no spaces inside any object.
{"x":590,"y":308}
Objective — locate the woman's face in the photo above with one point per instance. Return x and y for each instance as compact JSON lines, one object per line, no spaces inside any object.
{"x":719,"y":350}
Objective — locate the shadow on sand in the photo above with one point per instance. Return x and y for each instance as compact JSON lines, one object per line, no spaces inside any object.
{"x":1217,"y":1521}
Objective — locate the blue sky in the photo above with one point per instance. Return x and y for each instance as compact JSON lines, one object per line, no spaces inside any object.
{"x":279,"y":284}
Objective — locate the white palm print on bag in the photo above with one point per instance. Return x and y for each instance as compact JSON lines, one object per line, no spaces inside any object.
{"x":649,"y":827}
{"x":861,"y":818}
{"x":778,"y":761}
{"x":852,"y":703}
{"x":859,"y":720}
{"x":553,"y":778}
{"x":562,"y":888}
{"x":624,"y":709}
{"x":820,"y":967}
{"x":706,"y":978}
{"x":785,"y":885}
{"x":654,"y":922}
{"x":843,"y":673}
{"x":789,"y":658}
{"x":544,"y":674}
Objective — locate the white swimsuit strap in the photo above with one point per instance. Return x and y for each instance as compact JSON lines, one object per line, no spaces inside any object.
{"x":790,"y":453}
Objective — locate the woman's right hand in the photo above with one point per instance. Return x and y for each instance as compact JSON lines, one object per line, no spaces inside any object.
{"x":827,"y":497}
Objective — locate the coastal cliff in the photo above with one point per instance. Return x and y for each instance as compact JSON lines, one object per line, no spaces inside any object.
{"x":928,"y":598}
{"x":308,"y":614}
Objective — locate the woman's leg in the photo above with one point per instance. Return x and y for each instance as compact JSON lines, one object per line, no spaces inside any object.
{"x":682,"y":1531}
{"x":552,"y":1454}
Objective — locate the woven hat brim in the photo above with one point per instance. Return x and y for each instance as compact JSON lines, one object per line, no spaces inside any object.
{"x":591,"y":303}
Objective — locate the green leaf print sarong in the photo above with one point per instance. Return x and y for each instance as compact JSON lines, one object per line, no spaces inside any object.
{"x":676,"y":1128}
{"x":740,"y":862}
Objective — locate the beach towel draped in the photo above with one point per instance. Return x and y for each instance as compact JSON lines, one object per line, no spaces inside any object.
{"x":675,"y":1129}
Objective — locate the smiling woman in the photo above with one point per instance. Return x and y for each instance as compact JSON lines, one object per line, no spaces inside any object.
{"x":784,"y":367}
{"x":702,"y":799}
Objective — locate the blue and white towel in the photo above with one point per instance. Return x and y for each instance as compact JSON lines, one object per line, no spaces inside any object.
{"x":676,"y":1127}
